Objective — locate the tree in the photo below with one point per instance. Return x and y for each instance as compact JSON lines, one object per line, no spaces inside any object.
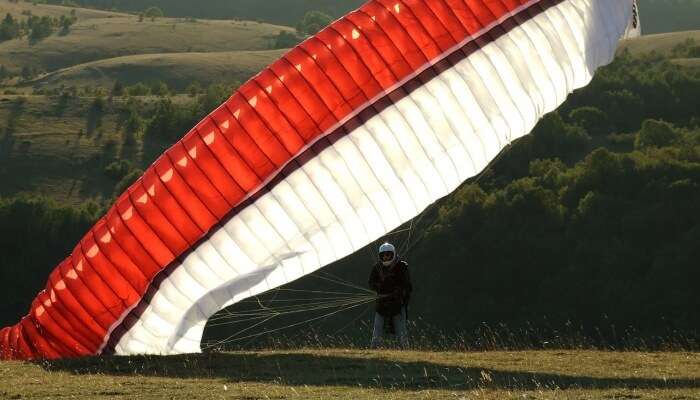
{"x":160,"y":89}
{"x":656,"y":134}
{"x":117,"y":170}
{"x":153,"y":13}
{"x":27,"y":72}
{"x":193,"y":89}
{"x":134,"y":125}
{"x":594,"y":121}
{"x":138,"y":89}
{"x":9,"y":28}
{"x":65,"y":23}
{"x":118,"y":89}
{"x":127,"y":181}
{"x":95,"y":115}
{"x":285,"y":40}
{"x":213,"y":97}
{"x":41,"y":28}
{"x":312,"y":22}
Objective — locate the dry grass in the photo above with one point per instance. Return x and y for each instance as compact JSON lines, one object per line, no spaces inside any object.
{"x":662,"y":43}
{"x":178,"y":70}
{"x":40,"y":10}
{"x":99,"y":35}
{"x":360,"y":374}
{"x":687,"y":62}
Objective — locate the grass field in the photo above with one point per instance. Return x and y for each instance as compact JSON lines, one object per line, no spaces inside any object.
{"x":40,"y":10}
{"x":661,"y":43}
{"x":100,"y":35}
{"x":177,"y":70}
{"x":360,"y":374}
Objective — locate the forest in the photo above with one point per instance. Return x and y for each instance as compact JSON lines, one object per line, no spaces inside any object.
{"x":591,"y":220}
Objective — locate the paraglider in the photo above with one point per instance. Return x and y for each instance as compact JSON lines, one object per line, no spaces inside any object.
{"x":347,"y":136}
{"x":391,"y":280}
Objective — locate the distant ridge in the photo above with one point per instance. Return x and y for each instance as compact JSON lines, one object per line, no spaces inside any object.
{"x":177,"y":70}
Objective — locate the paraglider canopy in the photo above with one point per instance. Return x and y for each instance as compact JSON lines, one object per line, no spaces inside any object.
{"x":347,"y":136}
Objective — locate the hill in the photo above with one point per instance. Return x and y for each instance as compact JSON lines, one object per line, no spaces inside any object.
{"x":38,"y":9}
{"x":662,"y":43}
{"x":91,"y":40}
{"x":657,"y":15}
{"x":358,"y":374}
{"x":177,"y":70}
{"x":292,"y":11}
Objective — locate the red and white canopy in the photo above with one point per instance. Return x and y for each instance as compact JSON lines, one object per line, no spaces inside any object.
{"x":347,"y":136}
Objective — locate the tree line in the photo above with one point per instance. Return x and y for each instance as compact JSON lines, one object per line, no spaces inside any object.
{"x":33,"y":27}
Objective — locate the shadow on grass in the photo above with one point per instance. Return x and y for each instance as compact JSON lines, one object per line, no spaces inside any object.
{"x":352,"y":371}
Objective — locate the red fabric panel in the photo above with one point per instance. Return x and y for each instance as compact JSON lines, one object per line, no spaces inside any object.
{"x":227,"y":120}
{"x":130,"y":244}
{"x":212,"y":168}
{"x":12,"y":340}
{"x":119,"y":259}
{"x":24,"y":352}
{"x":448,"y":19}
{"x":82,"y":270}
{"x":5,"y":352}
{"x":198,"y":183}
{"x":316,"y":81}
{"x":178,"y":217}
{"x":357,"y":43}
{"x":44,"y":349}
{"x":269,"y":129}
{"x":226,"y":154}
{"x":84,"y":295}
{"x":399,"y":35}
{"x":106,"y":269}
{"x":184,"y":195}
{"x":432,"y":25}
{"x":156,"y":220}
{"x":351,"y":62}
{"x":370,"y":38}
{"x":62,"y":329}
{"x":131,"y":220}
{"x":301,"y":104}
{"x":329,"y":65}
{"x":81,"y":320}
{"x":281,"y":110}
{"x":44,"y":318}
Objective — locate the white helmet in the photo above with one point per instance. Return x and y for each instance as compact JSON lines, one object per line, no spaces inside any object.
{"x":387,"y":254}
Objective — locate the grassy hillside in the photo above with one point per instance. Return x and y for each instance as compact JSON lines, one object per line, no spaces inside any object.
{"x":662,"y":43}
{"x":177,"y":70}
{"x":91,"y":40}
{"x":40,"y":10}
{"x":52,"y":151}
{"x":270,"y":11}
{"x":657,"y":15}
{"x":357,"y":374}
{"x":59,"y":147}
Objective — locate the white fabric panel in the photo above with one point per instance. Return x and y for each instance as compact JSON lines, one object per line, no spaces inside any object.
{"x":386,"y":171}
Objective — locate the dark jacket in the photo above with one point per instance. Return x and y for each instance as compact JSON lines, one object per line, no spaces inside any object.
{"x":393,"y":284}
